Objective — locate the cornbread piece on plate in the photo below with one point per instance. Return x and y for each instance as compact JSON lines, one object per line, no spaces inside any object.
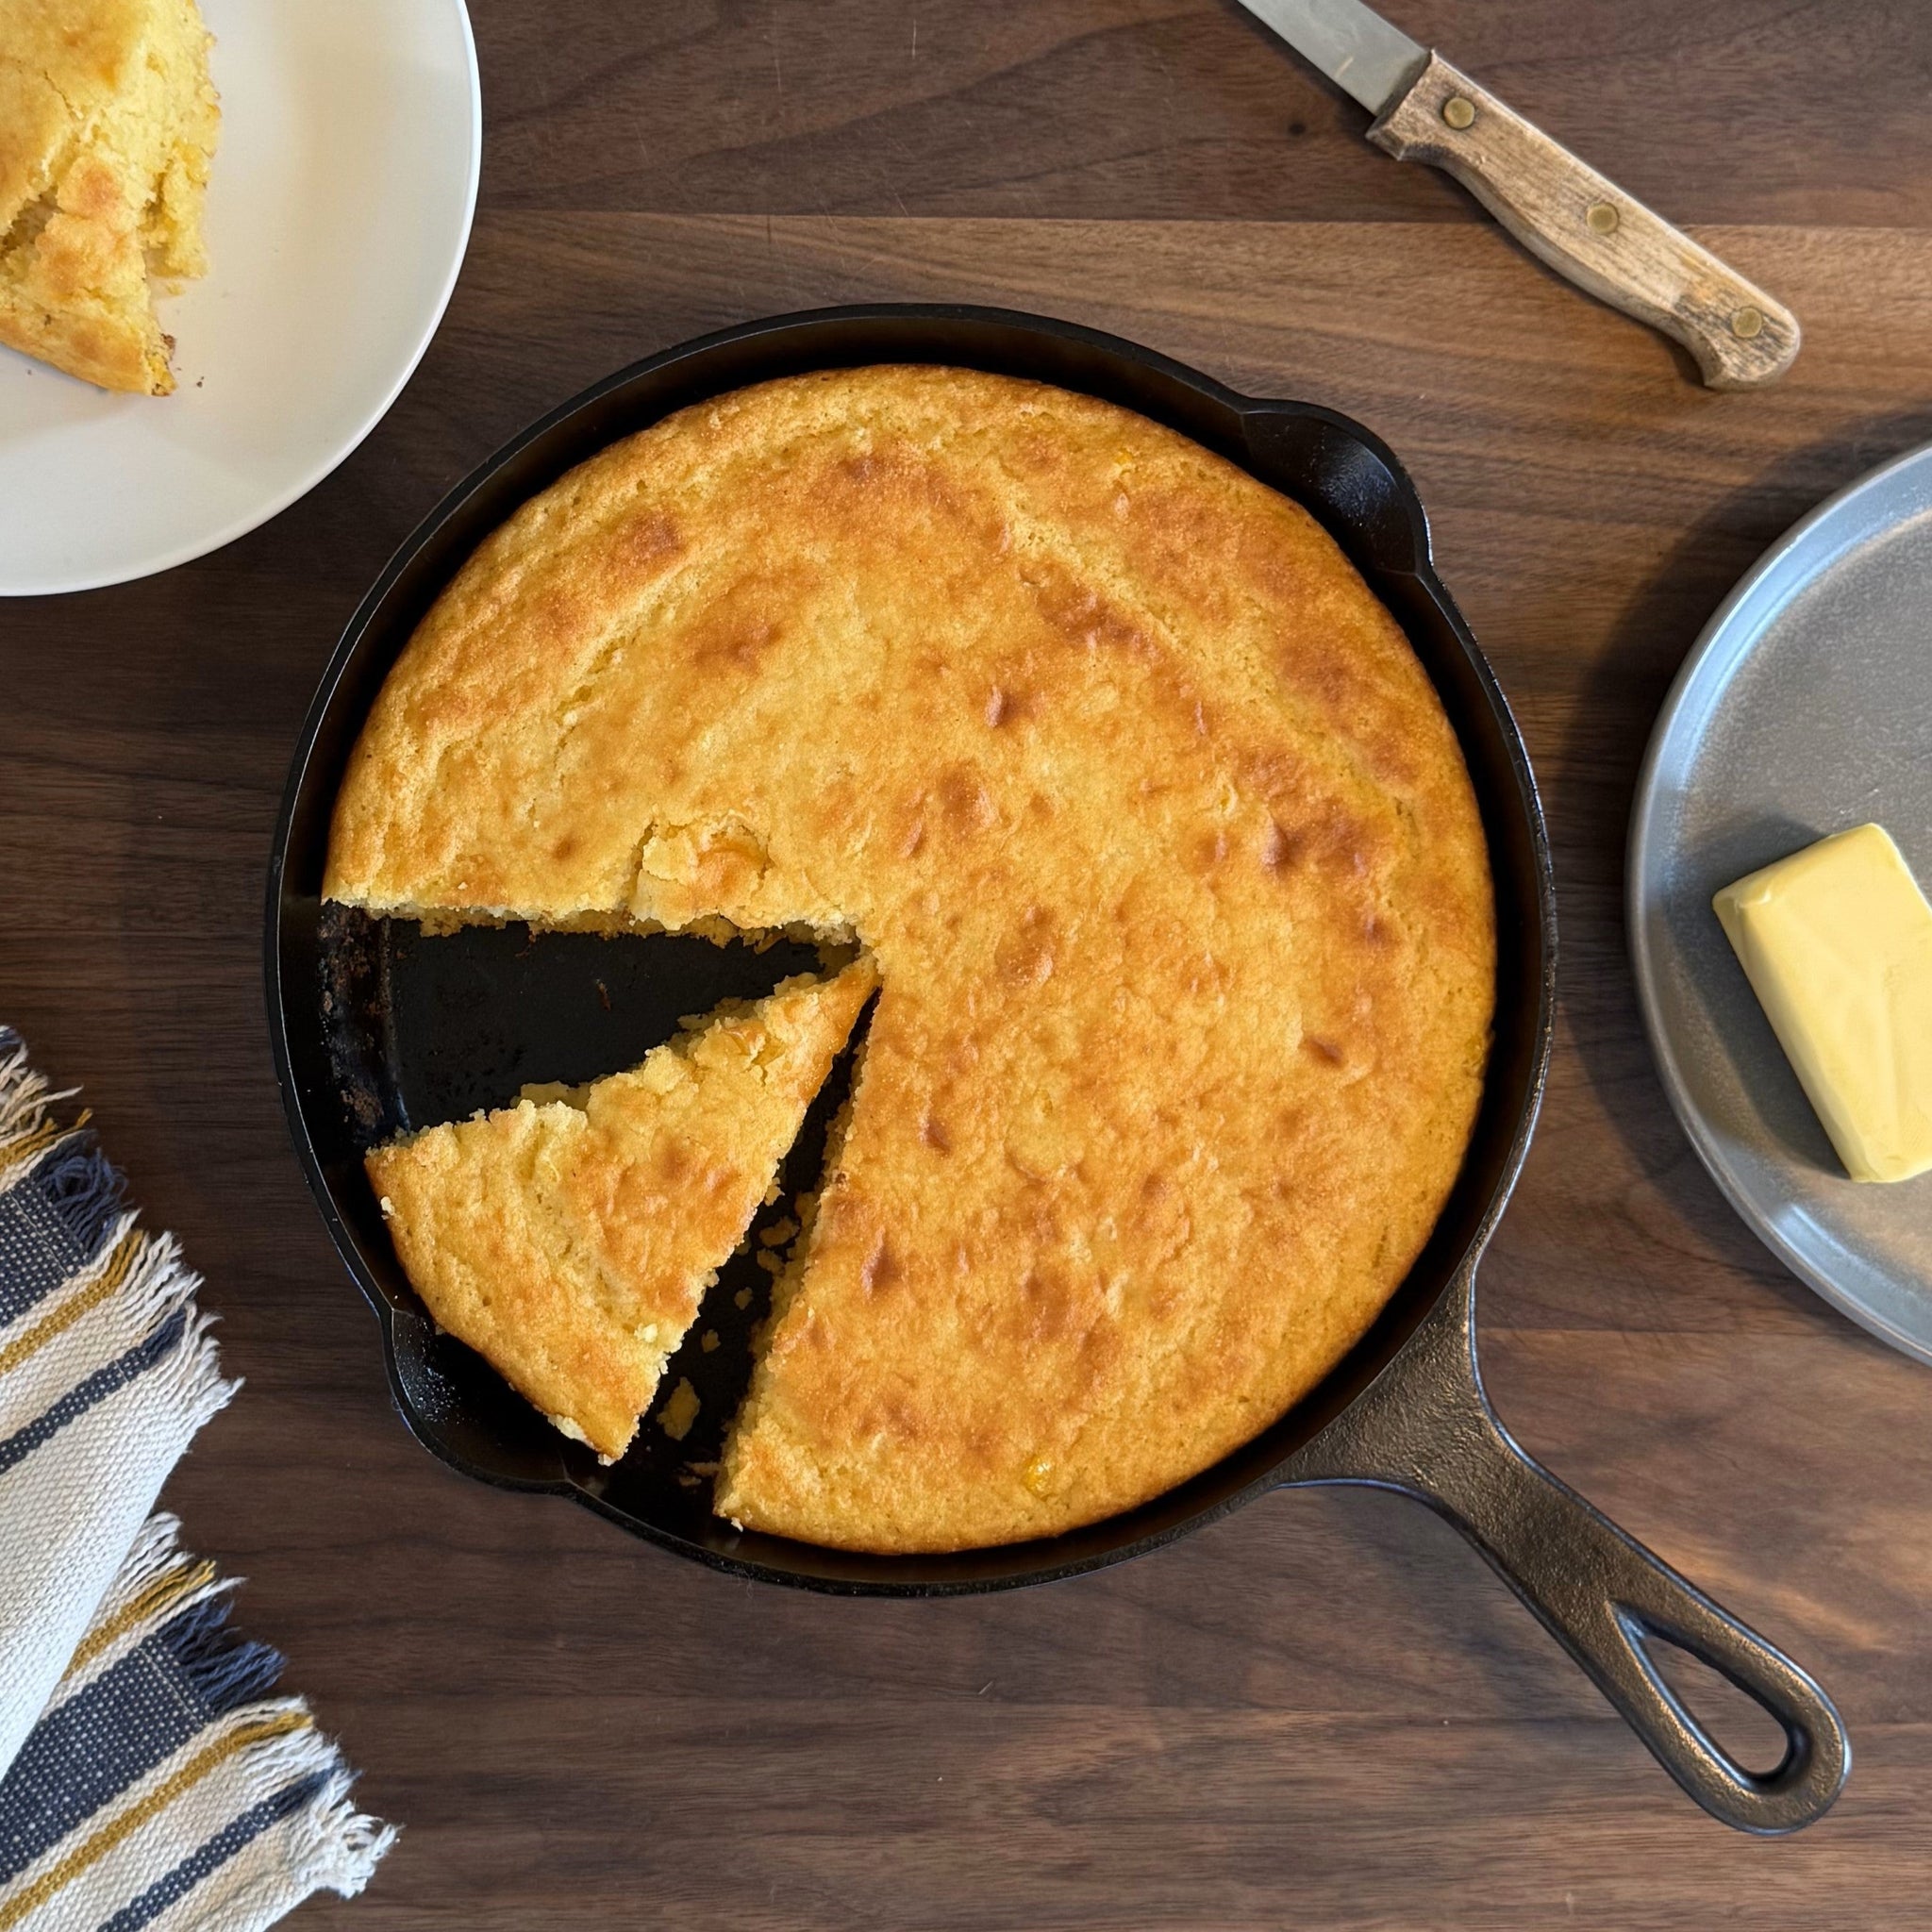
{"x":1153,"y":825}
{"x":569,"y":1240}
{"x":107,"y":123}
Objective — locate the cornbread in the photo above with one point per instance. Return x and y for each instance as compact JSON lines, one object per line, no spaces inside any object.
{"x":1836,"y":944}
{"x":107,"y":125}
{"x":1148,"y":815}
{"x":569,"y":1240}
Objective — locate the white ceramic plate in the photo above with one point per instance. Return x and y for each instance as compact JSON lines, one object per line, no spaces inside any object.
{"x":1805,"y":707}
{"x":338,"y":213}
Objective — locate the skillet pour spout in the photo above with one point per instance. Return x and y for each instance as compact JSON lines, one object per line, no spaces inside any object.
{"x":1404,"y":1410}
{"x":1426,"y":1428}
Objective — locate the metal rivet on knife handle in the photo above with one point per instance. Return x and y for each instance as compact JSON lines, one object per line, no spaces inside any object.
{"x":1602,"y":217}
{"x":1458,"y":111}
{"x":1747,"y":322}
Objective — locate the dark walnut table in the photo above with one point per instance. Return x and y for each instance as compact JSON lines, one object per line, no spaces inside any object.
{"x":1325,"y":1713}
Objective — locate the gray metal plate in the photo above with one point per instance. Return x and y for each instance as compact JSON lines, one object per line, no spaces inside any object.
{"x":1804,"y":708}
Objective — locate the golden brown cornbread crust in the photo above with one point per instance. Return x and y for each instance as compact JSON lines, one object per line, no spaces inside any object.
{"x":1153,"y":823}
{"x":108,"y":122}
{"x":572,"y":1240}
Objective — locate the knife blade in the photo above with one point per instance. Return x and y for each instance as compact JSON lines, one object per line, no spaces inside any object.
{"x":1562,"y":210}
{"x":1351,"y":43}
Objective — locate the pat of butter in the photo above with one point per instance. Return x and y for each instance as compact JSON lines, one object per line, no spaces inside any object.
{"x":1837,"y":942}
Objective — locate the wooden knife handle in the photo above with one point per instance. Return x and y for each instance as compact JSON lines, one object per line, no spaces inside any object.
{"x":1588,"y":229}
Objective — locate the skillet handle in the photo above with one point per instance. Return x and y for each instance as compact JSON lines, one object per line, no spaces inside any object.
{"x":1425,"y":1427}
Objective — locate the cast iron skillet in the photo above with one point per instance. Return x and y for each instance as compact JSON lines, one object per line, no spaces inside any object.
{"x":375,"y":1027}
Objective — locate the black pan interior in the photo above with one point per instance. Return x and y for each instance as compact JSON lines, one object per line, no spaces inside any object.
{"x":376,"y":1026}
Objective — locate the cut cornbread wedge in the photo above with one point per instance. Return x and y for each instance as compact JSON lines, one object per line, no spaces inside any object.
{"x":571,"y":1240}
{"x":107,"y":123}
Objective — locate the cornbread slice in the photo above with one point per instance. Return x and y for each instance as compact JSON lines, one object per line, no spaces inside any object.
{"x":1154,"y":825}
{"x":107,"y":125}
{"x":571,"y":1240}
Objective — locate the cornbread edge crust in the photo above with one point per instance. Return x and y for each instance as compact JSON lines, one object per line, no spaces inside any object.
{"x":1153,"y":823}
{"x":571,"y":1242}
{"x":107,"y":125}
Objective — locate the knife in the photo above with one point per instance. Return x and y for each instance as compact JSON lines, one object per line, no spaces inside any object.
{"x":1562,"y":210}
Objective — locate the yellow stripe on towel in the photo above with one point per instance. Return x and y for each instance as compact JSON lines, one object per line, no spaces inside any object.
{"x":126,"y":1252}
{"x":36,"y":1141}
{"x":156,"y":1602}
{"x":131,"y":1820}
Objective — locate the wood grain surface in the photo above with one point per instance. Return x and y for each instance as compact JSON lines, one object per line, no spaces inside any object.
{"x":1324,"y":1712}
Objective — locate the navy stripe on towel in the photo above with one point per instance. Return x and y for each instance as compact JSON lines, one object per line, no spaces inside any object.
{"x":95,"y":1388}
{"x":135,"y":1715}
{"x":52,"y":1219}
{"x":211,"y":1856}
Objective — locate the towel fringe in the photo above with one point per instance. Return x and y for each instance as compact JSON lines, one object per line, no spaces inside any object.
{"x":335,"y":1845}
{"x":347,"y":1838}
{"x":155,"y":1553}
{"x":193,"y":1376}
{"x":24,"y":1096}
{"x":224,"y":1669}
{"x":156,"y":1549}
{"x":329,"y":1842}
{"x":82,"y":1187}
{"x":131,"y":1305}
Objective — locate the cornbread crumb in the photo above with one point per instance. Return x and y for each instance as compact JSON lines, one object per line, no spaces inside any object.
{"x":680,"y":1411}
{"x":709,"y":1341}
{"x":543,"y":1092}
{"x":563,"y":1425}
{"x":107,"y":126}
{"x":570,"y":1244}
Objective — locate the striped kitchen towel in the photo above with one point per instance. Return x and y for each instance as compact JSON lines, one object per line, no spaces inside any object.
{"x":147,"y":1779}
